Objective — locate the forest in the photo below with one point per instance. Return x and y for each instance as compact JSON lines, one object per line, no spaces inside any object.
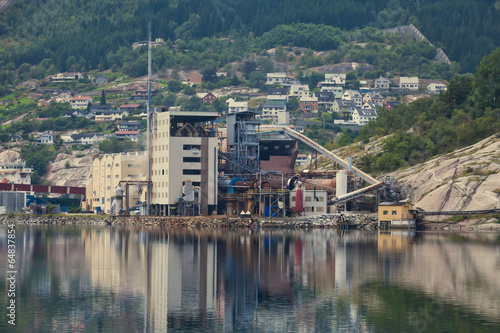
{"x":84,"y":33}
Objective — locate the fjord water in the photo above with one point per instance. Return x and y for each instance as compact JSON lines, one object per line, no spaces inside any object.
{"x":104,"y":279}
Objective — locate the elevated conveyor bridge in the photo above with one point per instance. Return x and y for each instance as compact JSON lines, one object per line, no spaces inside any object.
{"x":374,"y":184}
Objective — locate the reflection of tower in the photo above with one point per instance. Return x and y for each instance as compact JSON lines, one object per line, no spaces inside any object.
{"x":183,"y":279}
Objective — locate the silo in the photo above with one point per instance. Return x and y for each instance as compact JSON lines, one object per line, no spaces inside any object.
{"x":119,"y":199}
{"x":341,"y":183}
{"x":188,"y":191}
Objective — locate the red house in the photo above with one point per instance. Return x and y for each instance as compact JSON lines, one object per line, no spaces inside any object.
{"x":194,"y":78}
{"x":206,"y":97}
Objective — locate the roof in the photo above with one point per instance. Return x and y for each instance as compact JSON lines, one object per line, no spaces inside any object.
{"x":405,"y":79}
{"x":134,"y":105}
{"x":281,"y":74}
{"x":130,"y":123}
{"x":80,"y":98}
{"x":126,"y":132}
{"x":397,"y":203}
{"x":277,"y":106}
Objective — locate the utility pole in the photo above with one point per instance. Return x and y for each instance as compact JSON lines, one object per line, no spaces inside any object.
{"x":148,"y":208}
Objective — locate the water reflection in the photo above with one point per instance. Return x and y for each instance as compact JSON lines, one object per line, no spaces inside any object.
{"x":151,"y":280}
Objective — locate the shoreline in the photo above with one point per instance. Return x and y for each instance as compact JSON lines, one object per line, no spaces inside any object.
{"x":353,"y":221}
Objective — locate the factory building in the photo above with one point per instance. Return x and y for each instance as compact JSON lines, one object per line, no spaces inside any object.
{"x":183,"y":163}
{"x":108,"y":171}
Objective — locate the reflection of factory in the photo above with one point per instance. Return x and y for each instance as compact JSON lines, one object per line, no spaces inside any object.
{"x":197,"y":168}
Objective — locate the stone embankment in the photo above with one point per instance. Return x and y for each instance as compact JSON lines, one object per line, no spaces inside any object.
{"x":482,"y":224}
{"x":354,"y":221}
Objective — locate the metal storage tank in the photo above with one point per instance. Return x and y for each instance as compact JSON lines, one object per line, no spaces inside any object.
{"x":12,"y":200}
{"x":119,"y":199}
{"x":341,"y":183}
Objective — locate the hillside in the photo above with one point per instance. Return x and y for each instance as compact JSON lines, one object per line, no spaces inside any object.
{"x":27,"y":37}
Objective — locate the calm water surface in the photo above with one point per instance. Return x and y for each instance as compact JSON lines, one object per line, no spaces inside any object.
{"x":93,"y":279}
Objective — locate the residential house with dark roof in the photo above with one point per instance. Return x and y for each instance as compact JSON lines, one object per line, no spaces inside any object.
{"x":325,"y":99}
{"x":45,"y":138}
{"x":362,"y":117}
{"x":343,"y":108}
{"x":130,"y":126}
{"x":101,"y":79}
{"x":142,"y":94}
{"x":373,"y":97}
{"x":132,"y":107}
{"x":283,"y":91}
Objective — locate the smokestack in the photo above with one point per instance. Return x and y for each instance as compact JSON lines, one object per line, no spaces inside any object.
{"x":148,"y":208}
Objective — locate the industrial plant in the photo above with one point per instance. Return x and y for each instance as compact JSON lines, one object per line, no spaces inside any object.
{"x":200,"y":166}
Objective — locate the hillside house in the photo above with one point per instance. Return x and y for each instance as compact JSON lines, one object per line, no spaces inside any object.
{"x":130,"y":126}
{"x":335,"y":79}
{"x":325,"y":99}
{"x":130,"y":108}
{"x":276,"y":113}
{"x":193,"y":78}
{"x":373,"y":97}
{"x":391,"y":105}
{"x":299,"y":90}
{"x":277,"y":91}
{"x":362,"y":117}
{"x":237,"y":107}
{"x":381,"y":83}
{"x":410,"y":83}
{"x":45,"y":138}
{"x":100,"y":79}
{"x":110,"y":115}
{"x":276,"y":78}
{"x":343,"y":108}
{"x":66,"y":77}
{"x":353,"y":95}
{"x":308,"y":104}
{"x":436,"y":88}
{"x":206,"y":97}
{"x":142,"y":94}
{"x":132,"y":135}
{"x":277,"y":99}
{"x":81,"y":102}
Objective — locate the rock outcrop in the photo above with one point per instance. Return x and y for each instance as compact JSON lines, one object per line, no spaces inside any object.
{"x":467,"y":179}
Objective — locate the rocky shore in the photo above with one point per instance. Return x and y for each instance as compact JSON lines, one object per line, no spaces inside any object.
{"x":354,"y":221}
{"x":334,"y":221}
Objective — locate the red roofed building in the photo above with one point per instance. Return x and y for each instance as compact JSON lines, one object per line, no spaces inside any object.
{"x":81,"y":102}
{"x":132,"y":135}
{"x":131,"y":107}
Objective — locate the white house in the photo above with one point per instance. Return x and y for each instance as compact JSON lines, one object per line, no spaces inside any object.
{"x":362,"y":117}
{"x":299,"y":90}
{"x":81,"y":102}
{"x":381,"y":83}
{"x":276,"y":78}
{"x":277,"y":113}
{"x":410,"y":83}
{"x":436,"y":88}
{"x":237,"y":107}
{"x":373,"y":97}
{"x":277,"y":99}
{"x":337,"y":79}
{"x":353,"y":95}
{"x":45,"y":138}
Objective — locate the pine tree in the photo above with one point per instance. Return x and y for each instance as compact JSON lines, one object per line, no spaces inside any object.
{"x":103,"y":98}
